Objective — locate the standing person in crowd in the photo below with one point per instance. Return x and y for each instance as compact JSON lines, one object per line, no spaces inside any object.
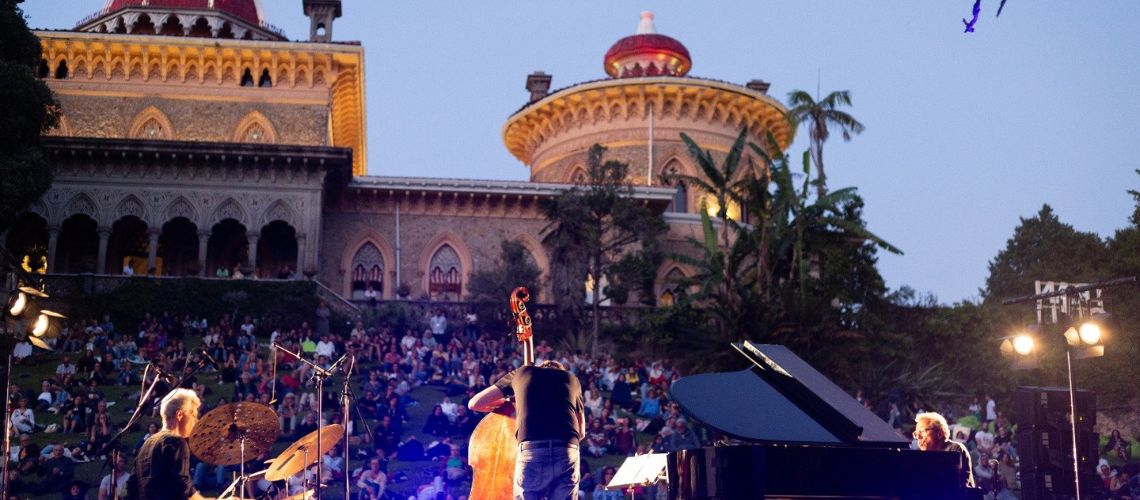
{"x":551,"y":422}
{"x":162,"y":468}
{"x":991,"y":409}
{"x":438,"y":324}
{"x":933,"y":434}
{"x":323,"y":315}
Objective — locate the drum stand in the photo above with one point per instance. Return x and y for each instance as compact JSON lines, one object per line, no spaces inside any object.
{"x":320,"y":374}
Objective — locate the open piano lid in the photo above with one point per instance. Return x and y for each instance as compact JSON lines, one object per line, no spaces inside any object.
{"x":780,"y":399}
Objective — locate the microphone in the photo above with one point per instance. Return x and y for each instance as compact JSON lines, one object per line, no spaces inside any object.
{"x":164,"y":375}
{"x":209,"y":359}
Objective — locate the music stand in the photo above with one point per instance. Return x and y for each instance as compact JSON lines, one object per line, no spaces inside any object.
{"x":639,"y":470}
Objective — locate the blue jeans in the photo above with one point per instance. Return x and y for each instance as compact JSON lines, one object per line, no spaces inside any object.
{"x":547,"y":472}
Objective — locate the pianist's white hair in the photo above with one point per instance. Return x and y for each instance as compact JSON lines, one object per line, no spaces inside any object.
{"x":936,"y":419}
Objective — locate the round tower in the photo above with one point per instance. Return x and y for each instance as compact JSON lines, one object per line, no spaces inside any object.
{"x":639,"y":113}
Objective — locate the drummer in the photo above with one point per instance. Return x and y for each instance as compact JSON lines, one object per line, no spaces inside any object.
{"x":162,"y":468}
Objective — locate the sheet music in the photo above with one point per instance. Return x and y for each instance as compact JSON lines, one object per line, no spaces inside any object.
{"x":639,"y":470}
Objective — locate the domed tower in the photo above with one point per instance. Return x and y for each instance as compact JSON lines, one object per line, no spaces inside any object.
{"x":234,"y":19}
{"x":639,"y":113}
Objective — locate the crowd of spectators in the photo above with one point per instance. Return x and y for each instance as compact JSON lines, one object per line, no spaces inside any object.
{"x":628,"y":410}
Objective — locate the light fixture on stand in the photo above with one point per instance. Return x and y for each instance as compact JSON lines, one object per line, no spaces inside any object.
{"x":1083,"y":339}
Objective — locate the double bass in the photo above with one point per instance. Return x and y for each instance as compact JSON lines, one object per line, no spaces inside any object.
{"x":493,"y":447}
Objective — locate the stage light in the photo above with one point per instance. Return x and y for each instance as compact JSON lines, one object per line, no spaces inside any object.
{"x":1023,"y":344}
{"x":18,"y":304}
{"x":41,"y":325}
{"x":1090,"y":333}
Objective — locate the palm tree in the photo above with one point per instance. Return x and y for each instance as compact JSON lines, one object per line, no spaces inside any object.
{"x":820,"y":117}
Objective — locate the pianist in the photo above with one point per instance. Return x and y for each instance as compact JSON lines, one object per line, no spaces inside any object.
{"x":933,"y":433}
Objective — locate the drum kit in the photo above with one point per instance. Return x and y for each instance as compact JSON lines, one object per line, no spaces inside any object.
{"x":234,"y":433}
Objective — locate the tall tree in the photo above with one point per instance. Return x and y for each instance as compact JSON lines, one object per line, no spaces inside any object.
{"x":594,"y":226}
{"x":820,"y":116}
{"x":514,"y":267}
{"x":1044,"y":248}
{"x":726,"y":186}
{"x":29,"y":110}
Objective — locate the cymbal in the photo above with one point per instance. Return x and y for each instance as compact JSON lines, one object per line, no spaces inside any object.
{"x":217,"y":439}
{"x":303,"y":453}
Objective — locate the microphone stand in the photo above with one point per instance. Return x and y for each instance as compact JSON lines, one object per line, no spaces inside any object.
{"x":348,"y":396}
{"x":320,"y":374}
{"x":7,"y":423}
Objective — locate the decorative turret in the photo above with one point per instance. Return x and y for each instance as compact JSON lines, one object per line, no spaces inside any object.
{"x":321,"y":15}
{"x":647,"y":54}
{"x":236,"y":19}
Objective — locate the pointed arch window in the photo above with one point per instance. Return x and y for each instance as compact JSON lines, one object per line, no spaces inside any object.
{"x":669,"y":178}
{"x":672,"y":292}
{"x":255,"y":128}
{"x":578,"y":176}
{"x":265,"y":81}
{"x":367,"y":271}
{"x":151,"y":124}
{"x":446,"y":271}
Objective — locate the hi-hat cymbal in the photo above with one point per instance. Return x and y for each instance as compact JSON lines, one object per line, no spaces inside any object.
{"x":303,"y":453}
{"x":217,"y":439}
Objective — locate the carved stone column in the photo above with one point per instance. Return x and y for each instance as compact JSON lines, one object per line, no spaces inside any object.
{"x":152,"y":250}
{"x":252,"y":238}
{"x":300,"y":253}
{"x":203,"y":240}
{"x":101,"y":261}
{"x":53,"y":241}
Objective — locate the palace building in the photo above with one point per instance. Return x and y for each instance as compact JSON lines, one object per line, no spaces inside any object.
{"x":195,"y":137}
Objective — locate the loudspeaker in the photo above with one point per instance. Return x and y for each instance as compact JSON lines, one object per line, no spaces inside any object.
{"x":1049,"y":447}
{"x":1042,"y":448}
{"x":1043,"y":485}
{"x":1049,"y":406}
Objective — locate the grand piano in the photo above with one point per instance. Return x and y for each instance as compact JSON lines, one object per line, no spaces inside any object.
{"x":789,"y":432}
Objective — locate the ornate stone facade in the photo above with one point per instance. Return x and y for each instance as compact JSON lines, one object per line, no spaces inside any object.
{"x":189,"y":156}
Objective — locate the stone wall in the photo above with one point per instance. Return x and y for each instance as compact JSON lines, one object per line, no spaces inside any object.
{"x":193,"y":120}
{"x":475,"y":238}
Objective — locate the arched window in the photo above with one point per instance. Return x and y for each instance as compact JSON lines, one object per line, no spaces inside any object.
{"x":672,"y":292}
{"x":151,"y":124}
{"x":43,"y":69}
{"x":367,"y":271}
{"x":446,"y":271}
{"x":61,"y":71}
{"x":669,"y":175}
{"x":256,"y":128}
{"x":254,"y":133}
{"x":578,"y":176}
{"x":152,"y":129}
{"x":265,"y":80}
{"x":247,"y":78}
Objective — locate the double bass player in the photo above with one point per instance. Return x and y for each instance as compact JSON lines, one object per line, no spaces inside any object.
{"x":550,"y":410}
{"x":535,"y":454}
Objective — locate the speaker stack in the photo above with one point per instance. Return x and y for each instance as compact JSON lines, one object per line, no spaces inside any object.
{"x":1045,"y":442}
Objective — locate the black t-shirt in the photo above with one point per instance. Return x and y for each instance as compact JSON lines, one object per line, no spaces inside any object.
{"x":162,"y":468}
{"x":548,"y":403}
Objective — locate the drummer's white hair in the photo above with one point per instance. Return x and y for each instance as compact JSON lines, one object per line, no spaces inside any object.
{"x":178,"y":399}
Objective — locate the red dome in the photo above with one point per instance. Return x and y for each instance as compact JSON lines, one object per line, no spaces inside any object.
{"x":647,"y":54}
{"x":246,"y":10}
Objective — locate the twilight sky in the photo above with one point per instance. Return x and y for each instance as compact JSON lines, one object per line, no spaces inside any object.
{"x":965,"y":132}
